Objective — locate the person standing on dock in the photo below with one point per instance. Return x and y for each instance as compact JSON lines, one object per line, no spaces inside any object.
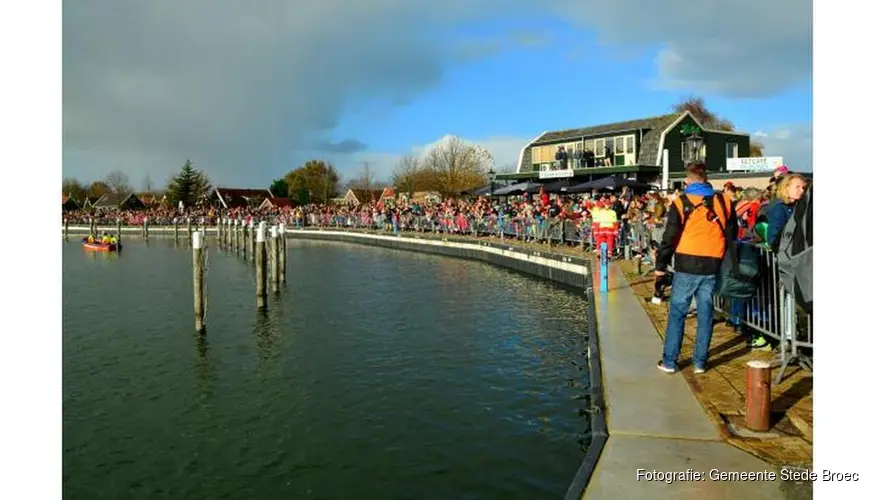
{"x":698,"y":224}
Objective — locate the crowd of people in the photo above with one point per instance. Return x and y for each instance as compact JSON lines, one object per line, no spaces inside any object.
{"x":613,"y":218}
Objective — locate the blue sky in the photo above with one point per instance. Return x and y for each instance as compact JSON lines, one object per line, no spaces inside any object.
{"x":249,"y":93}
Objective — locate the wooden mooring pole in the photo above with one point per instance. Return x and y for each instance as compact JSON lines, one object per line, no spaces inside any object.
{"x":260,"y":270}
{"x":66,"y":228}
{"x":275,"y":259}
{"x":119,"y":229}
{"x":252,"y":239}
{"x":282,"y":254}
{"x":176,"y":229}
{"x":237,"y":224}
{"x":219,"y":231}
{"x":188,"y":222}
{"x":244,"y":230}
{"x":146,"y":228}
{"x":759,"y":396}
{"x":197,"y":261}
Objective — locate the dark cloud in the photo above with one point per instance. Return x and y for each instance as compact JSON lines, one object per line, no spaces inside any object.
{"x":345,"y":146}
{"x":245,"y":89}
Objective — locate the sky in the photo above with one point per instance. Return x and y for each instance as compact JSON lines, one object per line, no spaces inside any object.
{"x":250,"y":90}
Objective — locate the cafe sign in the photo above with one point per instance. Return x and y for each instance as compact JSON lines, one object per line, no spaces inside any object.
{"x":758,"y":164}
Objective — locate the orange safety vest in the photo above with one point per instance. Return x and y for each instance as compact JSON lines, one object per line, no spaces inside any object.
{"x":704,"y":231}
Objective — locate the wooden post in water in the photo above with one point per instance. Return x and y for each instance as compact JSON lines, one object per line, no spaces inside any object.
{"x":244,"y":234}
{"x":238,"y":225}
{"x":260,"y":270}
{"x":188,"y":222}
{"x":176,"y":228}
{"x":119,"y":229}
{"x":219,"y":231}
{"x":252,"y":239}
{"x":66,"y":227}
{"x":759,"y":396}
{"x":275,"y":259}
{"x":282,"y":242}
{"x":228,"y":233}
{"x":197,"y":261}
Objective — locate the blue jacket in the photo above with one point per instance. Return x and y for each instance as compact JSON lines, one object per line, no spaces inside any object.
{"x":778,"y":215}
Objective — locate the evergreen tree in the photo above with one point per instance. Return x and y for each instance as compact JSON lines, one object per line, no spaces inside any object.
{"x":189,"y":186}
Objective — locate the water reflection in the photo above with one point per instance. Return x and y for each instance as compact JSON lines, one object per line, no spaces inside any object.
{"x":267,"y":331}
{"x":206,"y":373}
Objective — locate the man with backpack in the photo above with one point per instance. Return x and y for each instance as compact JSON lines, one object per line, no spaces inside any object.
{"x":698,"y":225}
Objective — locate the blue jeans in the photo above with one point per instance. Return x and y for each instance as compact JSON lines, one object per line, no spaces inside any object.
{"x":736,"y":312}
{"x":683,"y":288}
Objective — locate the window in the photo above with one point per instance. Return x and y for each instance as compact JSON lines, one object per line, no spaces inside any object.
{"x":609,"y":144}
{"x":588,"y":145}
{"x":630,"y":143}
{"x":600,"y":147}
{"x":731,"y":150}
{"x":621,"y":145}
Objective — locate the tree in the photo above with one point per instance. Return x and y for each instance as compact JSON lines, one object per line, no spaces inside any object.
{"x":118,"y":182}
{"x":97,"y":189}
{"x":279,"y":188}
{"x":365,"y":181}
{"x":148,"y":187}
{"x":696,"y":106}
{"x":74,"y":189}
{"x":410,"y":176}
{"x":457,"y":165}
{"x":189,"y":186}
{"x":313,"y":182}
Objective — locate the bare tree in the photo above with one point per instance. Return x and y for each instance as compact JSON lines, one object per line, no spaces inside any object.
{"x":118,"y":182}
{"x":405,"y":173}
{"x":457,"y":165}
{"x":148,"y":187}
{"x":696,"y":106}
{"x":365,"y":181}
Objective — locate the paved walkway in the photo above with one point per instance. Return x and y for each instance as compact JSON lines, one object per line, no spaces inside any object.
{"x":654,"y":421}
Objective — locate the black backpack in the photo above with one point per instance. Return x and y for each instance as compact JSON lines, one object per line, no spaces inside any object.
{"x":739,"y":273}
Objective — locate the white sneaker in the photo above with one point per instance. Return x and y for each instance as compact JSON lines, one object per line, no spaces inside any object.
{"x":698,"y":370}
{"x":655,"y":300}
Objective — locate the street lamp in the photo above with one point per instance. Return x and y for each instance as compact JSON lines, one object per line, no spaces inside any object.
{"x":694,"y":143}
{"x":491,"y":175}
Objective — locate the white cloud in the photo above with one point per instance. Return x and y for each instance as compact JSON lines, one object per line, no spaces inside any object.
{"x":793,"y":143}
{"x":244,"y":89}
{"x":733,"y":47}
{"x":504,"y":151}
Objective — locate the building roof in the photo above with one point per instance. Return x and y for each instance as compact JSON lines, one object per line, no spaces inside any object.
{"x":365,"y":195}
{"x":113,"y":200}
{"x":235,"y":197}
{"x":661,"y":121}
{"x":277,"y":202}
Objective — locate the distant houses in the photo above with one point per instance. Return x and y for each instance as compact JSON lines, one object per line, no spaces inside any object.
{"x":68,"y":203}
{"x":115,"y":201}
{"x":275,"y":203}
{"x":228,"y":198}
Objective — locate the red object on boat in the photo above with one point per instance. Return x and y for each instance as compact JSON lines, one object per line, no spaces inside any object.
{"x":99,"y":247}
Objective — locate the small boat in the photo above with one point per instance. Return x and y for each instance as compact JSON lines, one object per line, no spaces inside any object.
{"x":101,"y":247}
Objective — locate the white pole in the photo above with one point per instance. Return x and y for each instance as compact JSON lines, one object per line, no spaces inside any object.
{"x":665,"y":169}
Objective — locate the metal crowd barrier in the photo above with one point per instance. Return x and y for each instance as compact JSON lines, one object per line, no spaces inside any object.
{"x":773,"y":312}
{"x":543,"y":230}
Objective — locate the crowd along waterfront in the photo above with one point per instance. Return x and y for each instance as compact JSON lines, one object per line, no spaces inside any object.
{"x":375,"y":373}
